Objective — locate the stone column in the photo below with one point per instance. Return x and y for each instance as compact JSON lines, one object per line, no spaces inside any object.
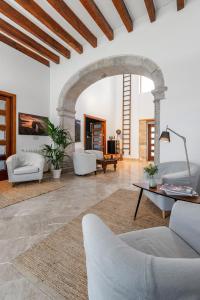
{"x":157,"y":131}
{"x":67,"y":121}
{"x":158,"y":94}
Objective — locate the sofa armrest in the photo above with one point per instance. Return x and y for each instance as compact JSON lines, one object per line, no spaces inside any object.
{"x":185,"y":222}
{"x":40,"y":162}
{"x":85,"y":158}
{"x":84,"y":163}
{"x":11,"y":164}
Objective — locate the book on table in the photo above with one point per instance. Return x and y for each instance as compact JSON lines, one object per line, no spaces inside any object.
{"x":178,"y":190}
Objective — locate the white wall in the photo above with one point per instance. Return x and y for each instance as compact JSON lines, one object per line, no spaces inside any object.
{"x":103,"y":99}
{"x":172,"y":42}
{"x":30,"y":81}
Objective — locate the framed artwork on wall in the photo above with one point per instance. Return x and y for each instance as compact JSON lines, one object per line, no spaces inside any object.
{"x":31,"y":124}
{"x":77,"y":131}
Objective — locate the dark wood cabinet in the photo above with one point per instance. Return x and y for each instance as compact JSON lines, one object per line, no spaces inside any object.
{"x":112,"y":147}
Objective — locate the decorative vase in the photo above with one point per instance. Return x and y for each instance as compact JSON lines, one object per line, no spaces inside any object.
{"x":152,"y":182}
{"x":56,"y":173}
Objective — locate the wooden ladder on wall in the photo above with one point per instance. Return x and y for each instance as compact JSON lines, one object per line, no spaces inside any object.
{"x":126,"y":115}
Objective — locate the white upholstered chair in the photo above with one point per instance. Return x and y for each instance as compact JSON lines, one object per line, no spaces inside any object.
{"x":84,"y":163}
{"x":25,"y":166}
{"x":158,"y":263}
{"x":174,"y":172}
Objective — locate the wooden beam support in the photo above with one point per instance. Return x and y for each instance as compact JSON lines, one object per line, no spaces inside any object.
{"x":33,"y":8}
{"x":27,"y":41}
{"x":6,"y":40}
{"x":65,"y":11}
{"x":150,"y":9}
{"x":98,"y":17}
{"x":22,"y":21}
{"x":180,"y":4}
{"x":124,"y":14}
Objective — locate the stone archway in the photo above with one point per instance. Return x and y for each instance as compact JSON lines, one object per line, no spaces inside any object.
{"x":115,"y":65}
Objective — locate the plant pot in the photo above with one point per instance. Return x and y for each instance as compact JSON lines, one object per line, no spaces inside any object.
{"x":56,"y":173}
{"x":152,"y":182}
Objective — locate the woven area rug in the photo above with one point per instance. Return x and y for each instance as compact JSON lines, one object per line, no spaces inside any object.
{"x":57,"y":264}
{"x":11,"y":195}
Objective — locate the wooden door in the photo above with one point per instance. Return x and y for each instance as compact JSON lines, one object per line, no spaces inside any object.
{"x":98,"y":136}
{"x":151,"y":141}
{"x":7,"y":130}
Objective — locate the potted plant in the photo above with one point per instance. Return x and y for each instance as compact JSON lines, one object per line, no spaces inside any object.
{"x":55,"y":152}
{"x":151,"y":170}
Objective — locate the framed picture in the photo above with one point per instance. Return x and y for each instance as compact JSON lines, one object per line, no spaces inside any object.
{"x":31,"y":124}
{"x":77,"y":131}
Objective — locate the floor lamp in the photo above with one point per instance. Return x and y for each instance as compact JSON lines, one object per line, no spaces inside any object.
{"x":165,"y":136}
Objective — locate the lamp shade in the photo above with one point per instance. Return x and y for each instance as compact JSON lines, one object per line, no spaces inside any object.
{"x":165,"y":136}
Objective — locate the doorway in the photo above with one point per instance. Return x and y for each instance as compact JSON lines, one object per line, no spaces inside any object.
{"x":147,"y":139}
{"x":7,"y":130}
{"x":94,"y":133}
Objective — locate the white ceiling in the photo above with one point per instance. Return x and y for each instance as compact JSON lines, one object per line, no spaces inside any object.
{"x":136,"y":9}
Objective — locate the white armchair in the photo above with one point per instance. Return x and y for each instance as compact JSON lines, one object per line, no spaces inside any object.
{"x":26,"y":166}
{"x":84,"y":163}
{"x":174,"y":172}
{"x":157,"y":263}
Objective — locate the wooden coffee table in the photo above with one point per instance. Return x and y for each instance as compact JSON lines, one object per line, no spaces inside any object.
{"x":144,"y":186}
{"x":104,"y":162}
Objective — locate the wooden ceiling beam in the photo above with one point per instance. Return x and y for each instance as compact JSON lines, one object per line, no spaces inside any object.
{"x":150,"y":9}
{"x":33,"y":8}
{"x":22,"y":21}
{"x":27,"y":41}
{"x":124,"y":14}
{"x":180,"y":4}
{"x":65,"y":11}
{"x":98,"y":17}
{"x":6,"y":40}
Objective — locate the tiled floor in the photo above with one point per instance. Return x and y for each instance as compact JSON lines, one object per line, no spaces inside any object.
{"x":26,"y":223}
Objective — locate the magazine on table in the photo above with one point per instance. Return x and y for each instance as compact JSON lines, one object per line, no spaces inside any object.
{"x":179,"y":190}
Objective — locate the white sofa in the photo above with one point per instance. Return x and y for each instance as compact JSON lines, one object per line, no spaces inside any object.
{"x":158,"y":263}
{"x":174,"y":172}
{"x":25,"y":166}
{"x":84,"y":163}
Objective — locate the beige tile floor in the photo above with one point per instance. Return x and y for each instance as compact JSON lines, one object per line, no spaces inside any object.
{"x":28,"y":222}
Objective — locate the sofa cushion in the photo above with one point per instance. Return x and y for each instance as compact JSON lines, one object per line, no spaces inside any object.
{"x":26,"y":170}
{"x":160,"y":242}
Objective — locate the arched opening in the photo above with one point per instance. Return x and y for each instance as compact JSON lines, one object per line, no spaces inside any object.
{"x":129,"y":64}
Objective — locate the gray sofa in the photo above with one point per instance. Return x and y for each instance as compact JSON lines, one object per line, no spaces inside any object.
{"x":174,"y":172}
{"x":158,"y":263}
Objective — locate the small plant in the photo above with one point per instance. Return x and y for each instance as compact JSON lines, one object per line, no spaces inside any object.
{"x":54,"y":155}
{"x":61,"y":140}
{"x":151,"y":170}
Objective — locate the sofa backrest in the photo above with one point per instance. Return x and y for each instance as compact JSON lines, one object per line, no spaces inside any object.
{"x":97,"y":153}
{"x":185,"y":222}
{"x":177,"y":166}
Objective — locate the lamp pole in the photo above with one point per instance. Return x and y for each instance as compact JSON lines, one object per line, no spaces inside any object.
{"x":186,"y":152}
